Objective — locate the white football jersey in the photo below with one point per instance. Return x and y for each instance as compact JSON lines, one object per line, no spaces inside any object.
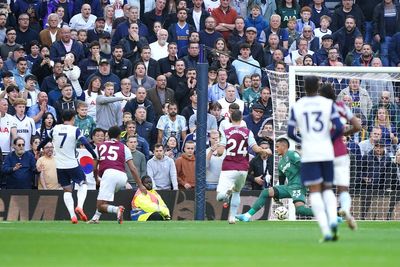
{"x":313,"y":117}
{"x":25,"y":129}
{"x":64,"y":140}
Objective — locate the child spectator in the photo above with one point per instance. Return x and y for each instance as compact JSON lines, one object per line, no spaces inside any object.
{"x":305,"y":14}
{"x":293,"y":34}
{"x":256,"y":20}
{"x":84,"y":122}
{"x":325,"y":22}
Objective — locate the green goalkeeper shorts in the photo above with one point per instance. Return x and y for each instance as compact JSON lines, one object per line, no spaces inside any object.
{"x":295,"y":193}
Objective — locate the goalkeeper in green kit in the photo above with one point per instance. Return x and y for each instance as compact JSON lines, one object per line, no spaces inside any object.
{"x":289,"y":167}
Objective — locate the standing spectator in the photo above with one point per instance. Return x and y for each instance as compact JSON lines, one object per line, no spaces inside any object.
{"x":159,"y":13}
{"x":125,"y":91}
{"x":261,"y":169}
{"x":197,"y":15}
{"x":252,"y":93}
{"x":213,"y":161}
{"x":59,"y":49}
{"x":345,"y":36}
{"x":42,"y":106}
{"x":19,"y":167}
{"x":192,"y":57}
{"x":139,"y":78}
{"x":90,"y":95}
{"x":25,"y":33}
{"x":83,"y":121}
{"x":319,"y":10}
{"x":209,"y":36}
{"x":185,"y":167}
{"x":43,"y":67}
{"x":254,"y":120}
{"x":9,"y":44}
{"x":288,"y":9}
{"x":225,"y":18}
{"x":321,"y":54}
{"x":190,"y":109}
{"x":25,"y":125}
{"x":8,"y":127}
{"x":66,"y":101}
{"x":46,"y":165}
{"x":50,"y":82}
{"x":367,"y":8}
{"x":105,"y":74}
{"x":256,"y":48}
{"x":139,"y":160}
{"x":141,"y":101}
{"x":90,"y":64}
{"x":84,"y":20}
{"x":360,"y":96}
{"x":133,"y":43}
{"x":51,"y":34}
{"x":144,"y":128}
{"x":3,"y":21}
{"x":238,"y":33}
{"x":394,"y":50}
{"x":162,"y":170}
{"x":182,"y":92}
{"x":119,"y":65}
{"x":152,"y":67}
{"x":167,"y":64}
{"x":98,"y":29}
{"x":171,"y":125}
{"x":108,"y":108}
{"x":159,"y":48}
{"x":179,"y":32}
{"x":386,"y":22}
{"x":301,"y":51}
{"x":240,"y":65}
{"x":10,"y":94}
{"x":159,"y":95}
{"x":72,"y":71}
{"x":343,"y":11}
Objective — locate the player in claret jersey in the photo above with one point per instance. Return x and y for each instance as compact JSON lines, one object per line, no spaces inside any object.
{"x":235,"y":140}
{"x":342,"y":161}
{"x":113,"y":155}
{"x":64,"y":137}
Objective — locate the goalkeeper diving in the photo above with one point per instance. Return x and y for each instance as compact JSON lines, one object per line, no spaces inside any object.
{"x":288,"y":167}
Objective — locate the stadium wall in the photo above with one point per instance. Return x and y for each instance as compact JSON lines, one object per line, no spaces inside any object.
{"x":25,"y":205}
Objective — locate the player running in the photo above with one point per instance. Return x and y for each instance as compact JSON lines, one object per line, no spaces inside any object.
{"x":235,"y":140}
{"x":64,"y":137}
{"x":314,"y":115}
{"x":342,"y":160}
{"x":288,"y":167}
{"x":113,"y":155}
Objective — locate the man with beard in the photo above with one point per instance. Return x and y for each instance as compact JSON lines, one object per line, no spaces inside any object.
{"x":345,"y":36}
{"x":167,"y":64}
{"x":120,"y":66}
{"x":160,"y":95}
{"x":366,"y":56}
{"x":152,"y":68}
{"x":159,"y":48}
{"x":208,"y":36}
{"x":182,"y":91}
{"x":90,"y":65}
{"x":94,"y":34}
{"x":171,"y":125}
{"x":179,"y":32}
{"x":105,"y":74}
{"x":105,"y":45}
{"x":356,"y":52}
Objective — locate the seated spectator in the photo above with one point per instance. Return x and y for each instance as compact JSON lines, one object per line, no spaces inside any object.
{"x":46,"y":165}
{"x":105,"y":74}
{"x":254,"y":120}
{"x":256,"y":49}
{"x":359,"y":95}
{"x":366,"y":56}
{"x":160,"y":95}
{"x":20,"y":72}
{"x":172,"y":148}
{"x":344,"y":37}
{"x":305,"y":19}
{"x":385,"y":101}
{"x":159,"y":48}
{"x":162,"y":170}
{"x":321,"y":54}
{"x":19,"y":167}
{"x":374,"y":137}
{"x":67,"y":101}
{"x":217,"y":91}
{"x":261,"y":169}
{"x":149,"y":206}
{"x":301,"y":51}
{"x":190,"y":109}
{"x":320,"y":13}
{"x":143,"y":144}
{"x":152,"y":67}
{"x":192,"y":57}
{"x":213,"y":161}
{"x":43,"y":67}
{"x":90,"y":64}
{"x":333,"y":58}
{"x":389,"y":133}
{"x":50,"y":82}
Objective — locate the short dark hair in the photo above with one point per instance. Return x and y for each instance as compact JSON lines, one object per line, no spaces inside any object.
{"x":158,"y":145}
{"x":96,"y":130}
{"x":68,"y":114}
{"x":327,"y":91}
{"x":236,"y":115}
{"x":311,"y":84}
{"x":283,"y":140}
{"x":114,"y":132}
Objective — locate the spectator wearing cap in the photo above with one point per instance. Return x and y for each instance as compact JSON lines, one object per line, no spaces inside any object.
{"x":105,"y":74}
{"x":256,"y":48}
{"x":10,"y":94}
{"x":83,"y":20}
{"x":66,"y":101}
{"x":9,"y":44}
{"x":256,"y":20}
{"x":254,"y":120}
{"x":209,"y":36}
{"x":31,"y":92}
{"x":241,"y":66}
{"x":52,"y":33}
{"x":20,"y":72}
{"x":322,"y":54}
{"x":94,"y":34}
{"x":59,"y":49}
{"x":122,"y":30}
{"x":105,"y":45}
{"x":11,"y":62}
{"x":55,"y":92}
{"x":25,"y":33}
{"x":39,"y":108}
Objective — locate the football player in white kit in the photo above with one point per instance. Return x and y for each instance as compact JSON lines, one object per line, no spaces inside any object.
{"x":315,"y":116}
{"x":64,"y":137}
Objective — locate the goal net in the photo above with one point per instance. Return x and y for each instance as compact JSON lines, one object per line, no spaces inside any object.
{"x":373,"y":96}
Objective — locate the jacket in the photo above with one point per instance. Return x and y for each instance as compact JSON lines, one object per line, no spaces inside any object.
{"x":57,"y":51}
{"x":379,"y":20}
{"x":24,"y":177}
{"x":163,"y":173}
{"x":155,"y":100}
{"x":45,"y":38}
{"x":365,"y":100}
{"x":203,"y":16}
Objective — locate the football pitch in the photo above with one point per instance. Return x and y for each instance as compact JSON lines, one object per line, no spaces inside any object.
{"x":190,"y":243}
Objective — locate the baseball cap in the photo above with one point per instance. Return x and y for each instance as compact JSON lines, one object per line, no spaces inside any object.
{"x":30,"y":77}
{"x":105,"y":35}
{"x":19,"y":47}
{"x":104,"y":61}
{"x":326,"y":37}
{"x":258,"y":107}
{"x":251,"y":29}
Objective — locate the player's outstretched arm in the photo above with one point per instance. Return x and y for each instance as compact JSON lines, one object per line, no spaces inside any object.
{"x":355,"y":126}
{"x":135,"y":176}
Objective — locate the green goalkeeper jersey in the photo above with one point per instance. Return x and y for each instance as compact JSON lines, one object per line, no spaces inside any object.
{"x":289,"y":167}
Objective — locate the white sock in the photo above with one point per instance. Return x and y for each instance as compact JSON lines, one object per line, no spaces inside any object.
{"x":112,"y":209}
{"x":96,"y":215}
{"x":69,"y":203}
{"x":318,"y":208}
{"x":234,"y":205}
{"x":330,"y":206}
{"x":345,"y":202}
{"x":82,"y":192}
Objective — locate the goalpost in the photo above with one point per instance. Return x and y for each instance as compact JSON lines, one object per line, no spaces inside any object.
{"x":375,"y":179}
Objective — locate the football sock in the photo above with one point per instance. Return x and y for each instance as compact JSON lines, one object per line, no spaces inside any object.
{"x":330,"y":206}
{"x":112,"y":209}
{"x":69,"y":203}
{"x":345,"y":202}
{"x":260,"y":202}
{"x":82,"y":192}
{"x":318,"y":208}
{"x":234,"y":205}
{"x":221,"y":196}
{"x":304,"y":211}
{"x":96,"y":215}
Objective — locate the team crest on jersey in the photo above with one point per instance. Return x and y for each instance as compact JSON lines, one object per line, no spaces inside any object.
{"x":4,"y":130}
{"x":187,"y":31}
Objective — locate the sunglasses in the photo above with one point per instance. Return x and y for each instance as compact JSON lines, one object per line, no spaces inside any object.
{"x":20,"y":145}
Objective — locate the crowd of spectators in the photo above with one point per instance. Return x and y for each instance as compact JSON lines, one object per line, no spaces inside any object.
{"x":133,"y":63}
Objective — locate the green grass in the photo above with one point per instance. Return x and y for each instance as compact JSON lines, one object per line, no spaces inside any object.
{"x":188,"y":243}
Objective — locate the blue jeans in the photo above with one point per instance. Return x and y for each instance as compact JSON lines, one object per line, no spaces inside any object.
{"x":368,"y":32}
{"x":384,"y":51}
{"x":210,"y":186}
